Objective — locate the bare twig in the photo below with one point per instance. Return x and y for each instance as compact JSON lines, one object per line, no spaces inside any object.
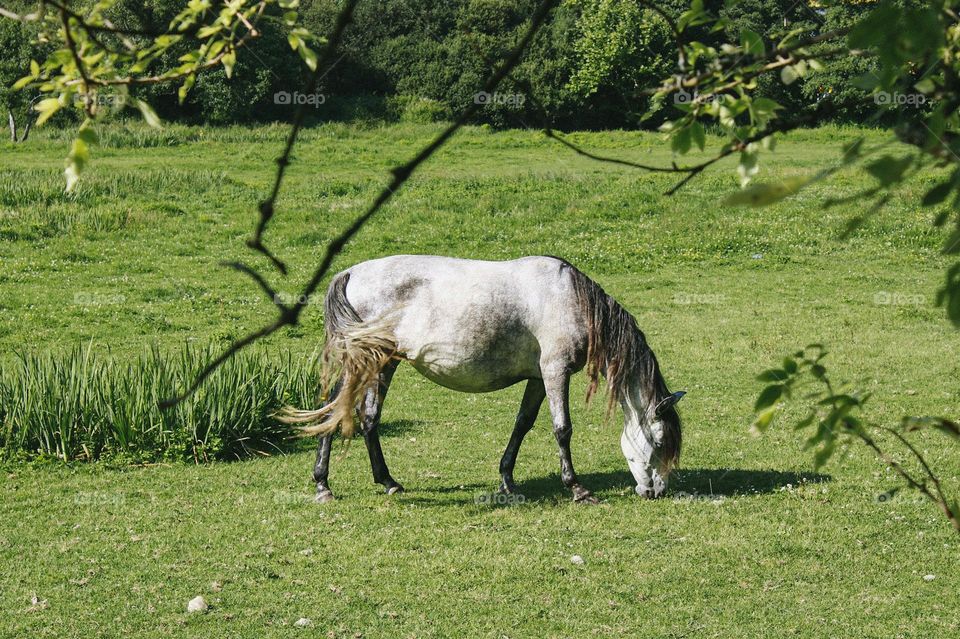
{"x":19,"y":17}
{"x":774,"y":55}
{"x":72,"y":46}
{"x":550,"y":133}
{"x":267,"y":206}
{"x":259,"y":279}
{"x":694,"y":169}
{"x":940,"y":498}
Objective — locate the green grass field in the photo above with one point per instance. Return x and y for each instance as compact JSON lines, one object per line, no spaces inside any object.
{"x":765,"y":547}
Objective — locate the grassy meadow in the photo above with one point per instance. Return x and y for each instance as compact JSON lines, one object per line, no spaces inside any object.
{"x":750,"y":541}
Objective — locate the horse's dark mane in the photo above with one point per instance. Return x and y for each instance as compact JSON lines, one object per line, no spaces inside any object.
{"x":618,"y":350}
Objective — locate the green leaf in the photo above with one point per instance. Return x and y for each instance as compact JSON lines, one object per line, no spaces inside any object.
{"x":184,"y":89}
{"x":309,"y":57}
{"x":788,"y":75}
{"x":768,"y":397}
{"x":747,"y":167}
{"x":759,"y":195}
{"x":773,"y":375}
{"x":190,"y":57}
{"x":216,"y":48}
{"x":229,"y":60}
{"x":680,"y":141}
{"x":765,"y":418}
{"x":22,"y":82}
{"x":79,"y":154}
{"x":867,"y":82}
{"x":925,"y":86}
{"x":149,"y":115}
{"x":875,"y":27}
{"x":88,"y":135}
{"x":698,"y":135}
{"x":765,"y":106}
{"x":752,"y":43}
{"x":46,"y":108}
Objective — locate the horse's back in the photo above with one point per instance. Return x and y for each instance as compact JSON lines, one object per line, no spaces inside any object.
{"x":469,"y":324}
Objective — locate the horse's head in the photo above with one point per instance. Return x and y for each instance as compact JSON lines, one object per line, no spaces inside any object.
{"x":651,"y":442}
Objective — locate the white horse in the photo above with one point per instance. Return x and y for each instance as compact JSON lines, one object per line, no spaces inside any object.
{"x":478,"y":326}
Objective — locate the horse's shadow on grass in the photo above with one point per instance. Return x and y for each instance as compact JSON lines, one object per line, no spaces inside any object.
{"x":706,"y":482}
{"x":729,"y":482}
{"x":686,"y":482}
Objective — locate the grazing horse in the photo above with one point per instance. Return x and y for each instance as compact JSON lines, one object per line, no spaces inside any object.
{"x":478,"y":326}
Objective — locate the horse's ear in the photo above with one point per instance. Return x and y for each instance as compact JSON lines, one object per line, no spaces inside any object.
{"x":668,"y":401}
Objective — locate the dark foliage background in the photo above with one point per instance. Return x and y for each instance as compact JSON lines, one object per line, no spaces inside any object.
{"x":419,"y":60}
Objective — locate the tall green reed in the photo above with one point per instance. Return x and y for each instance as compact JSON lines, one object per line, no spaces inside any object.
{"x":86,"y":404}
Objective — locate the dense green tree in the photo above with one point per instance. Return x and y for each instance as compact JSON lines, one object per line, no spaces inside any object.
{"x":17,"y":42}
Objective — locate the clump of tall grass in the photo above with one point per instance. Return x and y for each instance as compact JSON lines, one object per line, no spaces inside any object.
{"x":85,"y":404}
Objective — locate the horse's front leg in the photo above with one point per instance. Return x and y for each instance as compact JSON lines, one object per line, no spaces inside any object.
{"x":558,"y":394}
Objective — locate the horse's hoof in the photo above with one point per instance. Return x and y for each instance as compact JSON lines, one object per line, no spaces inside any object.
{"x":323,"y":497}
{"x":506,"y":489}
{"x":583,"y":496}
{"x":645,"y":493}
{"x":394,"y":489}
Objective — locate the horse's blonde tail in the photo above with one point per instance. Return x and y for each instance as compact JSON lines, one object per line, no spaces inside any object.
{"x":355,"y":354}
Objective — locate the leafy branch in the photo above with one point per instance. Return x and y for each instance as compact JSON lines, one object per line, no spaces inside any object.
{"x":98,"y":62}
{"x":836,"y":418}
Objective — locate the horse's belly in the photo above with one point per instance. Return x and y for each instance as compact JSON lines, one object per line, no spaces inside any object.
{"x":467,"y":380}
{"x":478,"y":372}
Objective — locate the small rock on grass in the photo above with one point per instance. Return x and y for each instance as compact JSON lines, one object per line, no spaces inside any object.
{"x":303,"y":622}
{"x":929,"y":577}
{"x":197,"y":604}
{"x":36,"y":603}
{"x":576,"y":559}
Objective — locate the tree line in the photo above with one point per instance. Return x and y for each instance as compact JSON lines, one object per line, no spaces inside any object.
{"x":592,"y":66}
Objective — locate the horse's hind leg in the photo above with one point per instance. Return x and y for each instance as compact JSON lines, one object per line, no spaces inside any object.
{"x":321,"y":468}
{"x":529,"y":408}
{"x":370,"y":410}
{"x":558,"y":391}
